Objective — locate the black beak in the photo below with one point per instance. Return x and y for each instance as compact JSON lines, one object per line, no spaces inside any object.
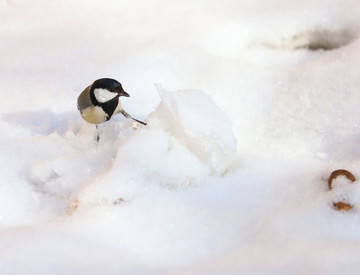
{"x":123,"y":93}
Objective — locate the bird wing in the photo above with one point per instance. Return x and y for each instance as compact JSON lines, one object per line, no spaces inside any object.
{"x":84,"y":100}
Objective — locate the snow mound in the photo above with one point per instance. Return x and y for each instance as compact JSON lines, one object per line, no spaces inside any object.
{"x":188,"y":138}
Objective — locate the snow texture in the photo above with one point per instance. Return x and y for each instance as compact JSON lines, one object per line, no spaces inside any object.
{"x":250,"y":105}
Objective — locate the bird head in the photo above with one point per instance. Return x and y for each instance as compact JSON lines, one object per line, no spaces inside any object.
{"x":106,"y":89}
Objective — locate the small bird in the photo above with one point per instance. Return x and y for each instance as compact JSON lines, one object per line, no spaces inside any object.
{"x":99,"y":102}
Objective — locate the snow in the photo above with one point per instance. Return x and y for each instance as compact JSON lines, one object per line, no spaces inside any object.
{"x":250,"y":106}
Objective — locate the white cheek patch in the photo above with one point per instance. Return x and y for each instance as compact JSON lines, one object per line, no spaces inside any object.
{"x":103,"y":95}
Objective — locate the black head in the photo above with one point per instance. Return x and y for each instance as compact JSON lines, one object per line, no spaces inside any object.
{"x":111,"y":85}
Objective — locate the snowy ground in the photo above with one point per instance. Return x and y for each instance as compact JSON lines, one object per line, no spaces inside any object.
{"x":250,"y":106}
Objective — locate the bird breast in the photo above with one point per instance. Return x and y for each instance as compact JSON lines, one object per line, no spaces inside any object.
{"x":94,"y":115}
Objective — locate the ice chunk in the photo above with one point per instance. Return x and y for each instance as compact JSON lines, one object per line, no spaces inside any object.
{"x":194,"y":118}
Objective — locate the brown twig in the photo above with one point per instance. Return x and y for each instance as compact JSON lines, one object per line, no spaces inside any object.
{"x":340,"y":172}
{"x":341,"y":206}
{"x":72,"y":207}
{"x":118,"y":201}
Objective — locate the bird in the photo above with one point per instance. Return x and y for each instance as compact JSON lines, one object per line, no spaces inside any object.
{"x":99,"y":102}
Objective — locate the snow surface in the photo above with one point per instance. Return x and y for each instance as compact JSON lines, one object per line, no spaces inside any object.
{"x":250,"y":106}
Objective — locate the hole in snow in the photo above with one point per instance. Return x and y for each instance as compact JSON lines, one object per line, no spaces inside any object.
{"x":315,"y":40}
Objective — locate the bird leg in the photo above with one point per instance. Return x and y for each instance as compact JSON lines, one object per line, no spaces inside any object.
{"x":97,"y":133}
{"x":129,"y":116}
